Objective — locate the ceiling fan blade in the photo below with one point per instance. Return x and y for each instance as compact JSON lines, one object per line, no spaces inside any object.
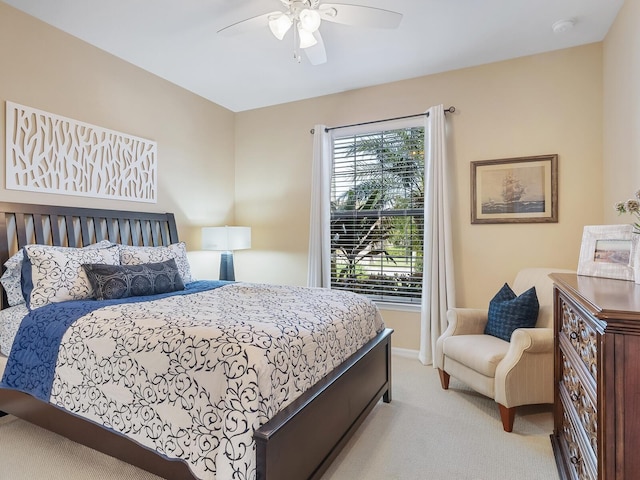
{"x":316,"y":54}
{"x":359,"y":15}
{"x":249,"y":24}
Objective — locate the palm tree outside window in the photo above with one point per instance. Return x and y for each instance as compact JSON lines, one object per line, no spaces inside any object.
{"x":377,"y":214}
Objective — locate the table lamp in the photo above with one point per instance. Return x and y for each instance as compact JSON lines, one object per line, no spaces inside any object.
{"x":226,"y":239}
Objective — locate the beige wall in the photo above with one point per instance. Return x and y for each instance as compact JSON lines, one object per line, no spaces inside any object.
{"x":254,"y":167}
{"x":549,"y":103}
{"x":44,"y":68}
{"x":621,"y":69}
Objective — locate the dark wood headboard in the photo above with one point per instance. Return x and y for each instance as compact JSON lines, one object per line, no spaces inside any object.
{"x":22,"y":224}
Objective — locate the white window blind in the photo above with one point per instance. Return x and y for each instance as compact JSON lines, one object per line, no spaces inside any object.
{"x":377,"y":214}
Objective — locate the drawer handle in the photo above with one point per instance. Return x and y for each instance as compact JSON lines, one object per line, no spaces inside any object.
{"x":573,"y":336}
{"x":575,"y":460}
{"x":575,"y":397}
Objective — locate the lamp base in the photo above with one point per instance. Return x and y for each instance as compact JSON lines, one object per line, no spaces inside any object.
{"x":226,"y":267}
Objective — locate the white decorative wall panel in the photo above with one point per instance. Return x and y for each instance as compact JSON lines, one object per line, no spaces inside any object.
{"x":53,"y":154}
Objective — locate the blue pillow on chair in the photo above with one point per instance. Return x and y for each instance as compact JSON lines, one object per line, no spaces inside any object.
{"x":507,"y":311}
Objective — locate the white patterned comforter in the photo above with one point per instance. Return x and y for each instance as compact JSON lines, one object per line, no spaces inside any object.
{"x":10,"y":319}
{"x":193,"y":376}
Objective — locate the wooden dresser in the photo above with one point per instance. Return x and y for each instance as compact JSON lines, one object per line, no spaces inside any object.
{"x":597,"y":378}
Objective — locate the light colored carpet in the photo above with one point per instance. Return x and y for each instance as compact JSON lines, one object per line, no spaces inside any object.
{"x":427,"y":433}
{"x":424,"y":434}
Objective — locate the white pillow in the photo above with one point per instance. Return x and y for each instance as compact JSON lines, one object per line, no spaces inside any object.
{"x":139,"y":255}
{"x":10,"y":279}
{"x":56,"y":273}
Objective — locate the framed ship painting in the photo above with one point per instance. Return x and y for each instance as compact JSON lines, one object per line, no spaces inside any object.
{"x":515,"y":190}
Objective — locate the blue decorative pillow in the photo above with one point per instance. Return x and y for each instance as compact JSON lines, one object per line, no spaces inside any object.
{"x":507,"y":311}
{"x":122,"y":281}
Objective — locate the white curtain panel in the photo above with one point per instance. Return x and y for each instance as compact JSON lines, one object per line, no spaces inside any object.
{"x":438,"y":286}
{"x":319,"y":271}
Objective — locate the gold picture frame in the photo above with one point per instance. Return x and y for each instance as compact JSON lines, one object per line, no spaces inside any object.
{"x":515,"y":190}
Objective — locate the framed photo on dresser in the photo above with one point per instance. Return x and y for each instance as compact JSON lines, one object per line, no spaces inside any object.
{"x":608,"y":251}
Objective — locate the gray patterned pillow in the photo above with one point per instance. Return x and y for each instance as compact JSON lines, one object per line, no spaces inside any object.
{"x":55,"y":274}
{"x":122,"y":281}
{"x":10,"y":279}
{"x":139,"y":255}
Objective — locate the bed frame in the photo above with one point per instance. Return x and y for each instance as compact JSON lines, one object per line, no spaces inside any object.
{"x":298,"y":443}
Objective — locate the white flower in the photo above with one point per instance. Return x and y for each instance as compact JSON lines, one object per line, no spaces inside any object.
{"x":631,"y":206}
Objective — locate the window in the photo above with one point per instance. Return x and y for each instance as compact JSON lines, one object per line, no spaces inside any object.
{"x":377,"y":214}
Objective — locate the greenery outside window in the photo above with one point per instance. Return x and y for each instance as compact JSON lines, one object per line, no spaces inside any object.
{"x":377,"y":214}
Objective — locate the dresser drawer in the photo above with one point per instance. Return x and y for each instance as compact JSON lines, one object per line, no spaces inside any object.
{"x":582,"y":337}
{"x":580,"y":462}
{"x":576,"y":391}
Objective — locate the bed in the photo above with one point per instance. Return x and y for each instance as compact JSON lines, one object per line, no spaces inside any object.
{"x":298,"y":442}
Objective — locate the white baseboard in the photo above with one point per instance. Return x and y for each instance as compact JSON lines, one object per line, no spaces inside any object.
{"x":405,"y":352}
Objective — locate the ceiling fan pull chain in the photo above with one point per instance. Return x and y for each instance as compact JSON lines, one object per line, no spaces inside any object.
{"x":296,"y":43}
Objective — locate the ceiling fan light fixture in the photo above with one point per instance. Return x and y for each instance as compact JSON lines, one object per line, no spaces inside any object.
{"x":280,"y":25}
{"x":306,"y":38}
{"x":310,"y":19}
{"x":305,"y":17}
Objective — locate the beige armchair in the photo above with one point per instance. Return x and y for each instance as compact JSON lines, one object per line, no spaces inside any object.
{"x":519,"y":372}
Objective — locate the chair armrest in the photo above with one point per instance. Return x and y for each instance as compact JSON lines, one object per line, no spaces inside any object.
{"x":461,"y":321}
{"x":466,"y":321}
{"x":531,"y":340}
{"x":525,"y":374}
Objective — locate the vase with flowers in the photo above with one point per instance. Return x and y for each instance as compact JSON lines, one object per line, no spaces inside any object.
{"x":632,"y":207}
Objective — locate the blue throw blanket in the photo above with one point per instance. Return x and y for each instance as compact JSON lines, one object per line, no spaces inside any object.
{"x":32,"y":363}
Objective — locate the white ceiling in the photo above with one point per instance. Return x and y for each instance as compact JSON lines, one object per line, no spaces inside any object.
{"x":177,"y":40}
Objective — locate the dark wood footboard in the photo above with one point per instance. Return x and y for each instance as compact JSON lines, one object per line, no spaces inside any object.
{"x":303,"y":439}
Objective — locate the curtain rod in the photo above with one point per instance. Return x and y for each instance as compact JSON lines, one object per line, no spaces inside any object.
{"x":447,"y":110}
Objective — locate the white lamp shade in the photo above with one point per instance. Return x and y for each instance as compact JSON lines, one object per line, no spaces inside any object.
{"x":306,"y":38}
{"x":310,"y":20}
{"x":226,"y":238}
{"x":280,"y":25}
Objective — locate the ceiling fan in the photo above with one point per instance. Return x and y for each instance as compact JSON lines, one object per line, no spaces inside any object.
{"x":304,"y":17}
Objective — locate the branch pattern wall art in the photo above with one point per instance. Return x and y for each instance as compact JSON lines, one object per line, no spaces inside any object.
{"x":48,"y":153}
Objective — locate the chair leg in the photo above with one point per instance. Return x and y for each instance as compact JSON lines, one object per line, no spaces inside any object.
{"x":444,"y":379}
{"x":507,"y":415}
